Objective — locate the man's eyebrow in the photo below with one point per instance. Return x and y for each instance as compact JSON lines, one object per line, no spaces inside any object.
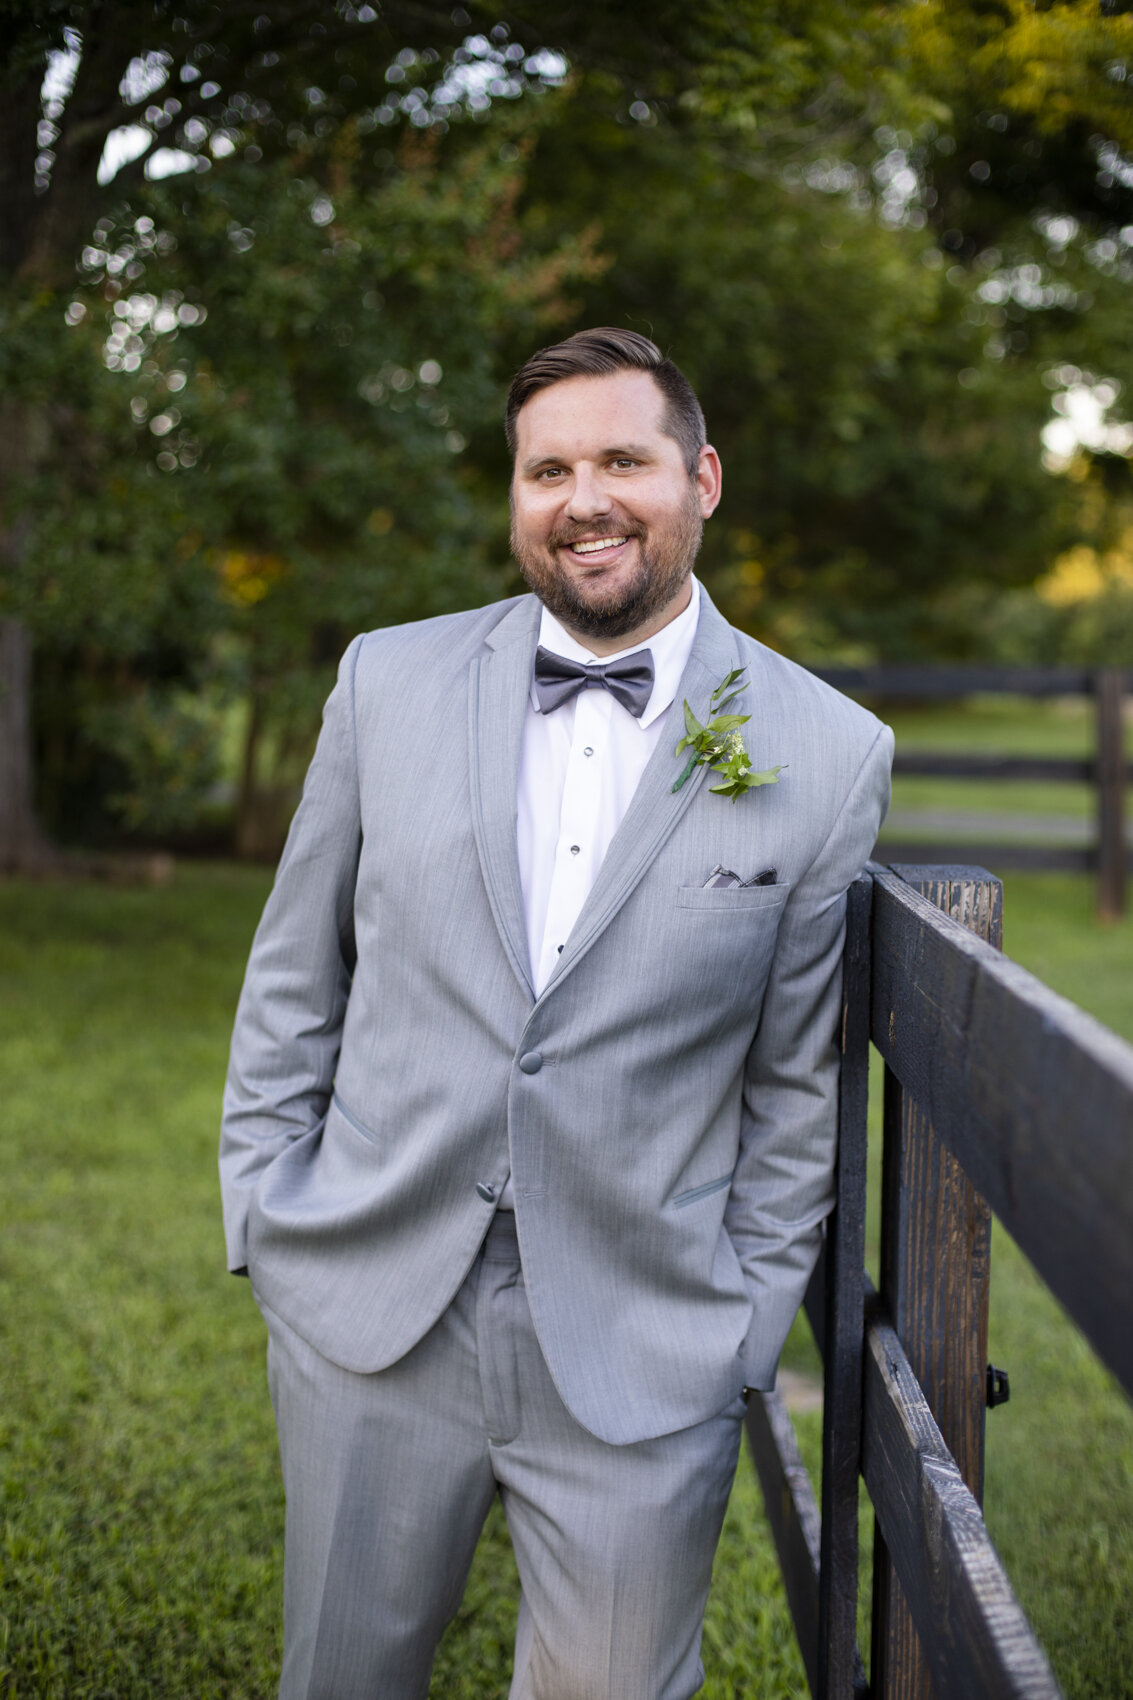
{"x":633,"y":451}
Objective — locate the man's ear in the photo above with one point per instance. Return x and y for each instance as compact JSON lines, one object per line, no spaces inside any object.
{"x":709,"y":480}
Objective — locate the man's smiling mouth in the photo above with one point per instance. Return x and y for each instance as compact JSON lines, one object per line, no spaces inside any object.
{"x":593,"y":544}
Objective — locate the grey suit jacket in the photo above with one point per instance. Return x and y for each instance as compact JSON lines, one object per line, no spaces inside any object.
{"x":666,"y":1107}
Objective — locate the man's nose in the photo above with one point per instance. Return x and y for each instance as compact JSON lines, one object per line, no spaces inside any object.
{"x":589,"y":498}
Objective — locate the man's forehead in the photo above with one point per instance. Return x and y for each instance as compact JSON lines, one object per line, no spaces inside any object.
{"x":614,"y":410}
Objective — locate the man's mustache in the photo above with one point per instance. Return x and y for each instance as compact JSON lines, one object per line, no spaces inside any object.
{"x":610,"y":525}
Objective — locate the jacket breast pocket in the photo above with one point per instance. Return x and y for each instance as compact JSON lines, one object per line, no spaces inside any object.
{"x":731,"y":899}
{"x":720,"y":944}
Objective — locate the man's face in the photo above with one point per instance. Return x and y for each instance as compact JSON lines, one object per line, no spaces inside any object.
{"x":606,"y":521}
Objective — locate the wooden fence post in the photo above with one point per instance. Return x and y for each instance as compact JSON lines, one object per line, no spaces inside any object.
{"x":840,"y":1672}
{"x":935,"y":1265}
{"x":1110,"y":793}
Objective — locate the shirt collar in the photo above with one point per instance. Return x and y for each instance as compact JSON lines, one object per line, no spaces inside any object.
{"x":670,"y":648}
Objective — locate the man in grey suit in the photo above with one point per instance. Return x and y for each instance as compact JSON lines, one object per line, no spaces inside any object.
{"x":529,"y":1125}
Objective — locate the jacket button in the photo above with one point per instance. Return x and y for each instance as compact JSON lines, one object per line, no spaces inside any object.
{"x":531,"y":1062}
{"x":487,"y":1193}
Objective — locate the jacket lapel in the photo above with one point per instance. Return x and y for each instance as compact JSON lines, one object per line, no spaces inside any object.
{"x":655,"y":809}
{"x":497,"y":700}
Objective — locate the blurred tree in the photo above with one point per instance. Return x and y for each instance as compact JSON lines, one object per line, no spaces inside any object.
{"x":297,"y":367}
{"x":1035,"y":118}
{"x":268,"y":117}
{"x":265,"y":266}
{"x":315,"y":412}
{"x":875,"y":315}
{"x":1017,"y":165}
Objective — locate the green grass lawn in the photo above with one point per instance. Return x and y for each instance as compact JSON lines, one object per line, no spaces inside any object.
{"x":142,"y":1508}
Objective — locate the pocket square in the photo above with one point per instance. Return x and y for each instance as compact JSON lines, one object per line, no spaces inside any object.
{"x":721,"y":876}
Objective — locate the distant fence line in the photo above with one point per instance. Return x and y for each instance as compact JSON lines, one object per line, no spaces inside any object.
{"x":1107,"y":771}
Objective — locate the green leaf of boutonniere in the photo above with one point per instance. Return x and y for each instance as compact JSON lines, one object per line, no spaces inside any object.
{"x":718,"y":744}
{"x":746,"y":781}
{"x":726,"y":684}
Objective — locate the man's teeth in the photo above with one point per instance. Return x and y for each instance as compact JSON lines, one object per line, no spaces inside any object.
{"x":593,"y":544}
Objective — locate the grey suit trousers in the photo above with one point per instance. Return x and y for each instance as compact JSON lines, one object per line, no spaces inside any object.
{"x":389,"y":1478}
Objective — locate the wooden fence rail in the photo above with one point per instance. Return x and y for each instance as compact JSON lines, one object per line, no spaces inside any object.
{"x":987,"y":1076}
{"x":1108,"y":770}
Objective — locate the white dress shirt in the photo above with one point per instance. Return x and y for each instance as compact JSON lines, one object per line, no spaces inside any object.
{"x":579,"y":768}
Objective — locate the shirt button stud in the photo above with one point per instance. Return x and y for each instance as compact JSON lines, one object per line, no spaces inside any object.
{"x":530,"y":1062}
{"x":486,"y":1191}
{"x":588,"y":751}
{"x":575,"y":849}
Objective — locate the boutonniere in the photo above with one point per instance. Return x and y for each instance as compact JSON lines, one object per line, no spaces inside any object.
{"x":718,"y":744}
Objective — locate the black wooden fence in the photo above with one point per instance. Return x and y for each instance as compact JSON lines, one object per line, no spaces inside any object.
{"x":988,"y":1074}
{"x":1107,"y":770}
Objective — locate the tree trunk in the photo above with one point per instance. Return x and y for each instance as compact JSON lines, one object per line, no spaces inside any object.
{"x":42,"y":234}
{"x":21,"y":844}
{"x":23,"y":441}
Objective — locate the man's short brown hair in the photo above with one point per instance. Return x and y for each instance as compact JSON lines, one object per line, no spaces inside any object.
{"x":598,"y":353}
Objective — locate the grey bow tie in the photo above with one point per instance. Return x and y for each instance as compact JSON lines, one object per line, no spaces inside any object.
{"x":629,"y":681}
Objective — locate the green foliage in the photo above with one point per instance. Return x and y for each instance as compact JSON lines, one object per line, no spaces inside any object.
{"x":1035,"y":100}
{"x":98,"y":563}
{"x":717,"y":744}
{"x":881,"y":241}
{"x":168,"y":746}
{"x":283,"y":465}
{"x":1023,"y":629}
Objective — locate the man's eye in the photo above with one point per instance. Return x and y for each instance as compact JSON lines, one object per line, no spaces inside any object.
{"x":546,"y":473}
{"x":624,"y":461}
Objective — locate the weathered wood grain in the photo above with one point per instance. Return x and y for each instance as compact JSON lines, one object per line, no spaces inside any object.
{"x":935,"y":1269}
{"x":978,"y":1643}
{"x":1031,"y":1095}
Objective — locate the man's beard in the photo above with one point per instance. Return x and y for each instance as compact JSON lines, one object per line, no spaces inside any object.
{"x":661,"y":570}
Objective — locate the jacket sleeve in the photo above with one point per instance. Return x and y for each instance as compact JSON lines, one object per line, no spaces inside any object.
{"x":782,"y":1189}
{"x":289,"y":1020}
